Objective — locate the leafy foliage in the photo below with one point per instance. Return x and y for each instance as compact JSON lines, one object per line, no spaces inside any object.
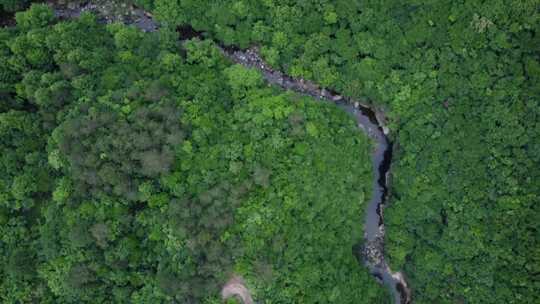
{"x":133,"y":173}
{"x":459,"y":81}
{"x":13,"y":5}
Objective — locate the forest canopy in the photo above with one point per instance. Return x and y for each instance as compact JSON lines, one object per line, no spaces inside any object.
{"x":460,"y":82}
{"x":138,"y":169}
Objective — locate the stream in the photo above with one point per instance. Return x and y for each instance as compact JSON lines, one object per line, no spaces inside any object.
{"x":371,"y":121}
{"x":371,"y":252}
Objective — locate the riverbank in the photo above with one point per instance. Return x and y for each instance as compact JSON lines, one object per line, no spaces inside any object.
{"x":369,"y":121}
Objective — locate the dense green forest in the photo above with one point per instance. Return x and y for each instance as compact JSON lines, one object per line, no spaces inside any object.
{"x":460,"y":83}
{"x":13,"y":5}
{"x":139,"y":170}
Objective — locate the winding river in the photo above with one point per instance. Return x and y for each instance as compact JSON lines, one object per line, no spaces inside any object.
{"x":371,"y":122}
{"x":371,"y":251}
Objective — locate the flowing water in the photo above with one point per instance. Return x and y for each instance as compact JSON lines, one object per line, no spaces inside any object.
{"x":372,"y":250}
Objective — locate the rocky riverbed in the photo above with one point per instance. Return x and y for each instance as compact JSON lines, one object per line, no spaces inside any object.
{"x":372,"y":122}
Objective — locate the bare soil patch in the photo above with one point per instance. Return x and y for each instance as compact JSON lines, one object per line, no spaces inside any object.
{"x":236,"y":287}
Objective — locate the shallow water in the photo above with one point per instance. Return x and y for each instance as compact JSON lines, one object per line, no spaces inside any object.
{"x":366,"y":119}
{"x":374,"y":224}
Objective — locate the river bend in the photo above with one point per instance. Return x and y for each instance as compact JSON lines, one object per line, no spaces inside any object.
{"x":371,"y":121}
